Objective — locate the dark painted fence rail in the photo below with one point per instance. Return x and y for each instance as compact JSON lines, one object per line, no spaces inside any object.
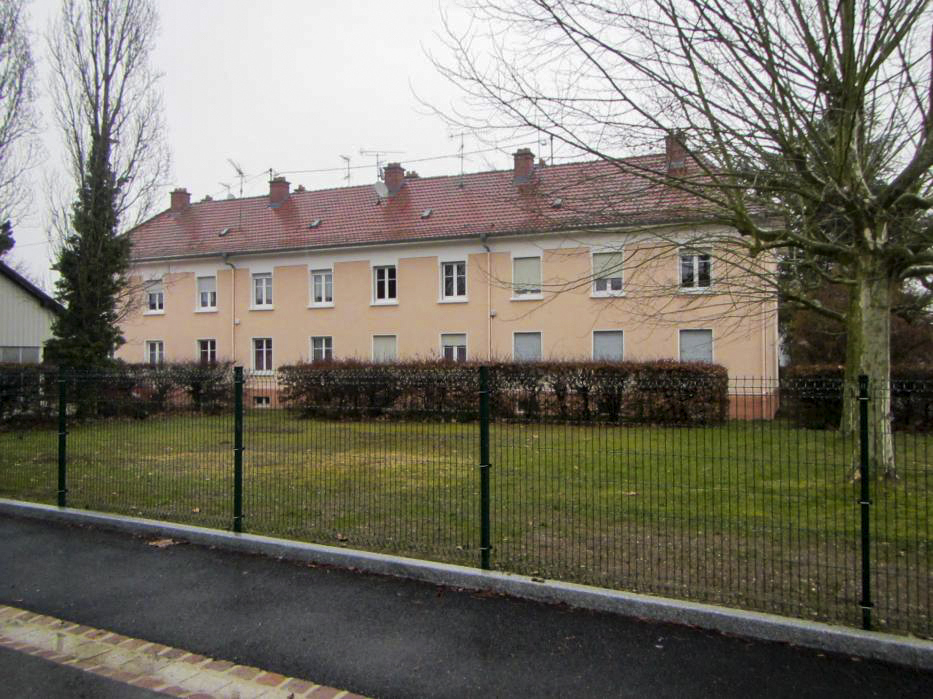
{"x":740,"y":500}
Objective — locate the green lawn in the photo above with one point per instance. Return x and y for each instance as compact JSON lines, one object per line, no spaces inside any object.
{"x":751,"y":514}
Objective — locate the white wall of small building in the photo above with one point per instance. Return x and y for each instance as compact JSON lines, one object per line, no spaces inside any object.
{"x":23,"y":321}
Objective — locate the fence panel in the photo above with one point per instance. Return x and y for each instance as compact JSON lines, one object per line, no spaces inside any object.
{"x":139,"y":444}
{"x":367,"y":473}
{"x":748,"y":511}
{"x":901,"y":510}
{"x":29,"y":433}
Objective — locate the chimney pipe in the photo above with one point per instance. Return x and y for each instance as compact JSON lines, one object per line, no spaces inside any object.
{"x":524,"y":166}
{"x":675,"y":152}
{"x":394,"y":176}
{"x":180,"y":200}
{"x":278,"y":191}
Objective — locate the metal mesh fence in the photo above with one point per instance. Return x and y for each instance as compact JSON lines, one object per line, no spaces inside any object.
{"x":746,"y":499}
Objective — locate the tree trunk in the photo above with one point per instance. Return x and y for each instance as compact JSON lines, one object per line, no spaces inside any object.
{"x":868,"y":351}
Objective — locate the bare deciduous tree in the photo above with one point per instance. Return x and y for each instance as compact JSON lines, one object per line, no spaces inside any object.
{"x":104,"y":90}
{"x":810,"y":124}
{"x":18,"y":117}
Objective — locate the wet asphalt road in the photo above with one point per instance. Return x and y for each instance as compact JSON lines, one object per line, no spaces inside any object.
{"x":386,"y":637}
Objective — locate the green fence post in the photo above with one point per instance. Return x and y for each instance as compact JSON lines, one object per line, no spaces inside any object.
{"x":238,"y":449}
{"x":865,"y":502}
{"x":62,"y":440}
{"x":484,"y":546}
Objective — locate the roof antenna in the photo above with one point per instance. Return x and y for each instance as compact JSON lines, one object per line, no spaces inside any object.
{"x":378,"y":153}
{"x":346,"y":159}
{"x":461,"y":154}
{"x":239,"y":171}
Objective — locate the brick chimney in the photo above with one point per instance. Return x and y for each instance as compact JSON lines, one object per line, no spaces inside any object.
{"x":181,"y":200}
{"x":675,"y":152}
{"x":394,"y":176}
{"x":278,"y":191}
{"x":524,"y":166}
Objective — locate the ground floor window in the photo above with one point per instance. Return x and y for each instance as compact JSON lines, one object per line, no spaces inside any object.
{"x":385,"y":348}
{"x":322,"y":348}
{"x":696,"y":346}
{"x":20,"y":355}
{"x":262,"y":353}
{"x":607,"y":345}
{"x":155,"y":352}
{"x":526,"y":347}
{"x":207,"y":351}
{"x":453,"y":345}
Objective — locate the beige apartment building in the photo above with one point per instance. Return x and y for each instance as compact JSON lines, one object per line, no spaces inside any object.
{"x":569,"y":261}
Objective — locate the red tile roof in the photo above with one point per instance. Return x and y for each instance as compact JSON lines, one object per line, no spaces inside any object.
{"x":591,"y":194}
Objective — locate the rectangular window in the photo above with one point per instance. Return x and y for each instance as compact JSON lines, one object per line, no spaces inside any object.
{"x":453,"y":276}
{"x":453,"y":345}
{"x":20,"y":355}
{"x":322,"y":348}
{"x":155,"y":298}
{"x":607,"y":273}
{"x":262,"y":353}
{"x":384,"y":281}
{"x":695,"y":270}
{"x":262,"y":290}
{"x":207,"y":351}
{"x":607,"y":345}
{"x":155,"y":352}
{"x":322,"y":287}
{"x":384,"y":348}
{"x":696,"y":346}
{"x":262,"y":401}
{"x":526,"y":276}
{"x":207,"y":293}
{"x":526,"y":347}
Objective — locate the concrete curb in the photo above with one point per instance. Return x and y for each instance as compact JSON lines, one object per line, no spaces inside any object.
{"x":902,"y":650}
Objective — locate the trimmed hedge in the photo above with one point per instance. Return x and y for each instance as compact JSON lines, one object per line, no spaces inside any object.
{"x":812,"y":396}
{"x":28,"y":393}
{"x":663,"y":392}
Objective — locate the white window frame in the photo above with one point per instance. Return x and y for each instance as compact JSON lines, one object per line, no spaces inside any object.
{"x":712,"y":343}
{"x":211,"y":351}
{"x":531,"y":295}
{"x":528,"y":332}
{"x":466,"y":345}
{"x":606,"y":330}
{"x":200,"y":307}
{"x":607,"y":293}
{"x":147,"y":354}
{"x":325,"y":349}
{"x":321,"y":272}
{"x":455,"y":297}
{"x":159,"y":295}
{"x":267,"y":295}
{"x":373,"y":346}
{"x":388,"y":301}
{"x":264,"y":371}
{"x":694,"y":254}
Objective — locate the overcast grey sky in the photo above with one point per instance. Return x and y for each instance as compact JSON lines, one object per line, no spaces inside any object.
{"x":289,"y":85}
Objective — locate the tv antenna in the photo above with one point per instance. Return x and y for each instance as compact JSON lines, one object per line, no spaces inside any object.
{"x":460,"y":154}
{"x":346,"y":159}
{"x":242,"y":175}
{"x":379,"y":153}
